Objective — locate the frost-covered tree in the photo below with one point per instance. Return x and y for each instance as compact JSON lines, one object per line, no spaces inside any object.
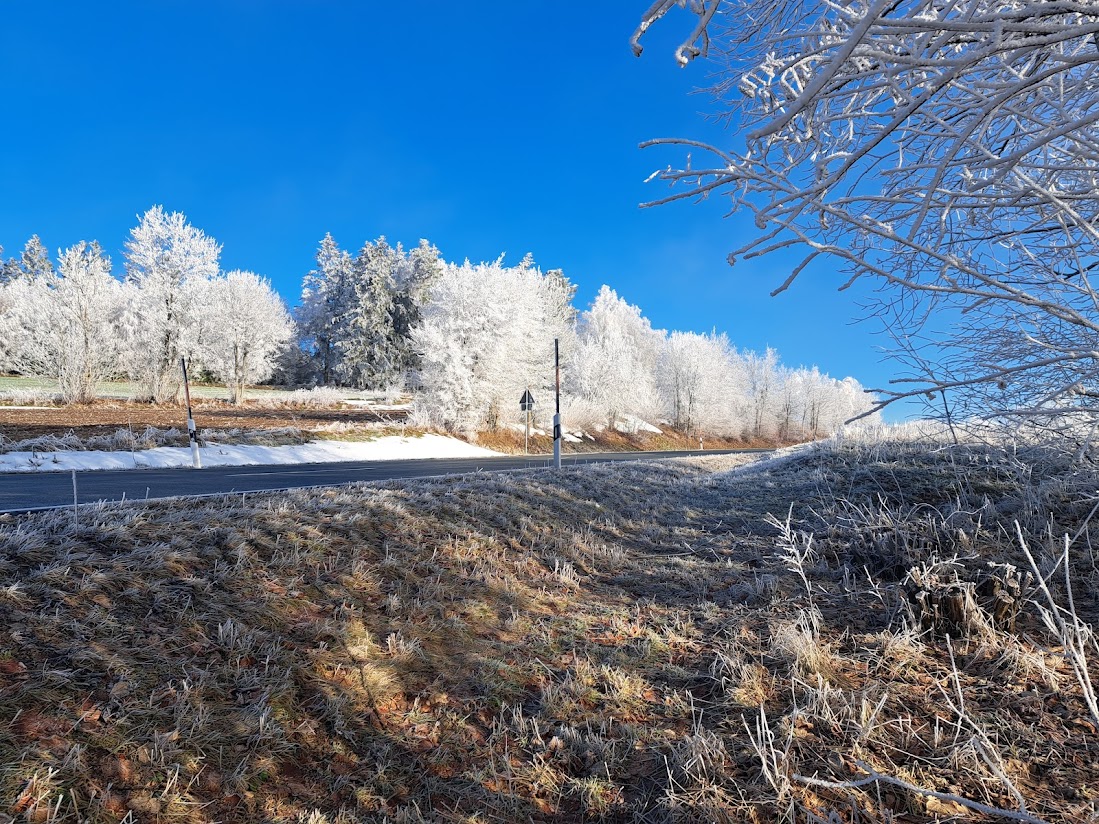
{"x":945,"y":151}
{"x":486,"y":335}
{"x":839,"y":401}
{"x":327,"y":295}
{"x":703,"y":383}
{"x":762,"y":374}
{"x":804,"y":403}
{"x":357,"y":314}
{"x":168,"y":262}
{"x":247,"y":325}
{"x":614,"y":364}
{"x":372,"y":355}
{"x":64,"y":324}
{"x":415,"y":276}
{"x":32,"y":263}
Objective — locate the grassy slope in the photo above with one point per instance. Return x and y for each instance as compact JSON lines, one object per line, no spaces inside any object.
{"x":596,"y":643}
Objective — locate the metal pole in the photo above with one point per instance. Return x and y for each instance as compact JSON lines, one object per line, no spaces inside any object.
{"x":557,"y":415}
{"x":526,"y":436}
{"x":192,"y":432}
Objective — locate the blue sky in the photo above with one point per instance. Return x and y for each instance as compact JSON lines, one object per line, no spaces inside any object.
{"x":488,"y":128}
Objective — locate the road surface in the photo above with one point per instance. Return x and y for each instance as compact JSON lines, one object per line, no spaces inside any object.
{"x":24,"y":491}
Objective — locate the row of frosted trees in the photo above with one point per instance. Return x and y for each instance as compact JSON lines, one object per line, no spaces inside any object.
{"x":80,"y":325}
{"x":469,"y":339}
{"x":487,"y":336}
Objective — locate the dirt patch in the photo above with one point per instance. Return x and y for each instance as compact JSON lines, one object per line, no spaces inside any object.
{"x":510,"y":441}
{"x":105,"y":418}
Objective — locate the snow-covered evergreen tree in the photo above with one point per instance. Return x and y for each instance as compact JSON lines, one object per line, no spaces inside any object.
{"x":357,"y":314}
{"x":247,"y":326}
{"x":327,"y":295}
{"x":34,"y":262}
{"x":168,"y":262}
{"x":370,"y":350}
{"x":64,"y":324}
{"x":415,"y":276}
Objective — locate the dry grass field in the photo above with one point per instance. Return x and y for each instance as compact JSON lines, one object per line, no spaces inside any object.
{"x":847,"y":634}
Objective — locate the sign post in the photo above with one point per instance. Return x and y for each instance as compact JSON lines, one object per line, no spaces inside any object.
{"x":526,"y":403}
{"x":557,"y":415}
{"x":192,"y":432}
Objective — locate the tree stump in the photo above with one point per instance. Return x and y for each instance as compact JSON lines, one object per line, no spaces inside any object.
{"x":943,"y":602}
{"x":1003,"y":590}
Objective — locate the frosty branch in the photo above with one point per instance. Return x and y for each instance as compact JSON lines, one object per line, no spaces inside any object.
{"x":947,"y":151}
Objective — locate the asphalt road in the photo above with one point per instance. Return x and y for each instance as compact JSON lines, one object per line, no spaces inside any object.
{"x":23,"y":491}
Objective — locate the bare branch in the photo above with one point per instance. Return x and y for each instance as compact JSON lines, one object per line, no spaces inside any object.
{"x":876,"y":777}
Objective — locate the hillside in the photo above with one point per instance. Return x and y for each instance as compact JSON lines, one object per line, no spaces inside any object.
{"x":621,"y":643}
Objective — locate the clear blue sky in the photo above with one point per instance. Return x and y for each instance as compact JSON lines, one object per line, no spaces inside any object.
{"x":487,"y":127}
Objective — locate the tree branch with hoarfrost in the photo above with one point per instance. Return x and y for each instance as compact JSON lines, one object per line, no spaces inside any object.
{"x":946,"y":151}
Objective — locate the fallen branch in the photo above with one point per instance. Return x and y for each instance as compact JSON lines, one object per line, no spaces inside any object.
{"x":875,"y":776}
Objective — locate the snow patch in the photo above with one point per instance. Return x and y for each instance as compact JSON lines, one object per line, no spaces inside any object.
{"x":377,"y":407}
{"x":631,"y":424}
{"x":390,"y":448}
{"x":534,"y":430}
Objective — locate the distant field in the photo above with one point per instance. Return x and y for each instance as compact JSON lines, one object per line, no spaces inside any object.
{"x":125,"y":389}
{"x":9,"y":383}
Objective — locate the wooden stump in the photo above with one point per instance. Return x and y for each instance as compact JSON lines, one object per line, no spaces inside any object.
{"x":944,"y":599}
{"x":1003,"y":590}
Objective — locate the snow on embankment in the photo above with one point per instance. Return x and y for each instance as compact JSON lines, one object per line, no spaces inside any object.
{"x":391,"y":448}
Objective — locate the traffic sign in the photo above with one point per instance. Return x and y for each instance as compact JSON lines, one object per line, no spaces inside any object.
{"x":526,"y":403}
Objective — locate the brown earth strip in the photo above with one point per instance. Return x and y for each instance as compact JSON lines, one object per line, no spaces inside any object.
{"x":106,"y":418}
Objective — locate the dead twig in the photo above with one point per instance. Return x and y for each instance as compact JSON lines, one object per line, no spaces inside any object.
{"x":876,"y":777}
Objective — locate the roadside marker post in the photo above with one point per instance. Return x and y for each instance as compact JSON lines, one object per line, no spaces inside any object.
{"x":76,"y":505}
{"x":557,"y":415}
{"x":192,"y":431}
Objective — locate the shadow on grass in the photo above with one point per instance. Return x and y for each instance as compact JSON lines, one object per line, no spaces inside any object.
{"x":424,"y":646}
